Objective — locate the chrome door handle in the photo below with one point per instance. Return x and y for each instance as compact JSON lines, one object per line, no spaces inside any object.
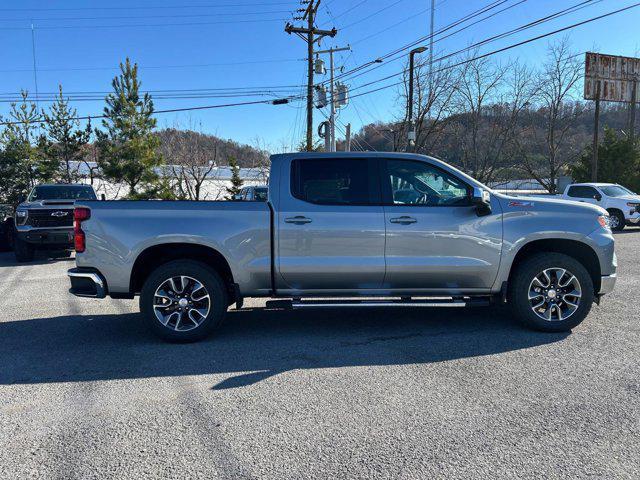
{"x":297,"y":220}
{"x":404,"y":220}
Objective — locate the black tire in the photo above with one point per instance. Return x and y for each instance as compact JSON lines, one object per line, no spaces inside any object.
{"x":23,"y":251}
{"x":211,"y":281}
{"x":618,"y":222}
{"x":522,"y":279}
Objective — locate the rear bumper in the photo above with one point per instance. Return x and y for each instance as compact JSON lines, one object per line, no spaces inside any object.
{"x":53,"y":237}
{"x":86,"y":282}
{"x":607,"y":282}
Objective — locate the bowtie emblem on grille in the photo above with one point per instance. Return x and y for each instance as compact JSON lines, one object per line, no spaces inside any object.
{"x":59,"y":213}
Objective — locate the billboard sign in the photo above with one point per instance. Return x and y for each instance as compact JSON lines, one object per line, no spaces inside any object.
{"x":615,"y":76}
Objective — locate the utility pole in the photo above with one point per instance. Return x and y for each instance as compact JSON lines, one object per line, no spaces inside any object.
{"x":433,"y":12}
{"x":411,"y":133}
{"x":632,"y":111}
{"x":347,"y":146}
{"x":309,"y":34}
{"x":33,"y":52}
{"x":332,"y":115}
{"x":596,"y":127}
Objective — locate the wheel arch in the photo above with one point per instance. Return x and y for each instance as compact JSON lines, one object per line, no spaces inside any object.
{"x":580,"y":251}
{"x":154,"y":256}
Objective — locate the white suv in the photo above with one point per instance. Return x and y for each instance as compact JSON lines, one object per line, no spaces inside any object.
{"x":622,"y":204}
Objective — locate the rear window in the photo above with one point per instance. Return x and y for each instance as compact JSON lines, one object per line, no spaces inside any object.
{"x":333,"y":181}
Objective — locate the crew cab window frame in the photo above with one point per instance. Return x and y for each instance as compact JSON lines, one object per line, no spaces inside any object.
{"x":372,"y":174}
{"x":583,"y":187}
{"x":387,"y":193}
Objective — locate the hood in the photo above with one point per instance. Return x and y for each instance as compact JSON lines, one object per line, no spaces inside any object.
{"x":551,"y":204}
{"x":629,"y":198}
{"x":48,"y":204}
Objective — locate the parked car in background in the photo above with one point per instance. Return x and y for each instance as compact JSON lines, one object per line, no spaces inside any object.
{"x":45,"y":219}
{"x":255,"y":193}
{"x":334,"y":234}
{"x":6,"y":226}
{"x":622,"y":204}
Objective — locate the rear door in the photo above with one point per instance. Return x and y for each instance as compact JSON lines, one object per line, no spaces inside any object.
{"x":331,"y":225}
{"x":435,"y":238}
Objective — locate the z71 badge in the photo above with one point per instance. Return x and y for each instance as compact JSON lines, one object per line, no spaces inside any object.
{"x":518,"y":203}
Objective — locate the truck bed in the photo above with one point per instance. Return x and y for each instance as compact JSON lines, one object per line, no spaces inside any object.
{"x":118,"y":232}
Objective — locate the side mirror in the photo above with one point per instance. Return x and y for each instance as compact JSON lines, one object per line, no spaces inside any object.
{"x":103,"y":197}
{"x":482,"y":201}
{"x":597,"y":197}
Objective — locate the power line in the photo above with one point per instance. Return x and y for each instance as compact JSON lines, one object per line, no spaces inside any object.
{"x":165,"y":7}
{"x":494,"y":52}
{"x":149,"y":67}
{"x":493,"y":38}
{"x":145,"y":25}
{"x":124,"y":17}
{"x":294,"y":98}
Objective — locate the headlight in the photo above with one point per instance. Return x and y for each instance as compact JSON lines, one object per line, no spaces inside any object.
{"x":603,"y":220}
{"x":632,"y":204}
{"x":21,"y":217}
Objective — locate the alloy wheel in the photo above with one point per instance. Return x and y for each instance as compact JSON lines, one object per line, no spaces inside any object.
{"x":181,"y":303}
{"x":554,"y":294}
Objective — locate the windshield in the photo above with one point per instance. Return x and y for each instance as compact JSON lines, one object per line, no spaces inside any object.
{"x":62,"y":192}
{"x":261,"y":194}
{"x":616,"y":191}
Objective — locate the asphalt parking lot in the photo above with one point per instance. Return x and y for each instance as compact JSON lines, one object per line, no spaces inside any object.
{"x":86,"y":392}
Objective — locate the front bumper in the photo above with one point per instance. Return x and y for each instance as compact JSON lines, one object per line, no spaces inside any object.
{"x":47,"y":237}
{"x":607,"y":282}
{"x":87,"y":282}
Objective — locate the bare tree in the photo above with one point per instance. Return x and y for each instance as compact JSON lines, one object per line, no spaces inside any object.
{"x":192,"y":160}
{"x":432,"y":106}
{"x":560,"y":110}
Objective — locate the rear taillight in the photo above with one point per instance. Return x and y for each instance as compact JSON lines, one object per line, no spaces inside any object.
{"x":80,"y":214}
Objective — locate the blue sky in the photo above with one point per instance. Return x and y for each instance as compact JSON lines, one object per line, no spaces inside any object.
{"x":207,"y":44}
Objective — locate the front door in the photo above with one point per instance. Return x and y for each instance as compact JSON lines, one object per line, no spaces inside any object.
{"x":331,"y":225}
{"x":435,"y":238}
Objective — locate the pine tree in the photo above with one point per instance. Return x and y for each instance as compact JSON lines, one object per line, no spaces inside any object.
{"x":618,"y":161}
{"x":236,"y":181}
{"x":66,"y":141}
{"x":128,"y":149}
{"x":22,"y":163}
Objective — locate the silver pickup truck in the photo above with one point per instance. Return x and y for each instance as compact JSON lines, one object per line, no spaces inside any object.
{"x":342,"y":230}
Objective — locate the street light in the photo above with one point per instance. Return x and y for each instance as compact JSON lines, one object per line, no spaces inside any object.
{"x":411,"y":133}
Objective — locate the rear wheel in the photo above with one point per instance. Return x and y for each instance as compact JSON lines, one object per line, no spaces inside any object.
{"x":183,"y":301}
{"x":616,"y":220}
{"x":551,"y":292}
{"x":23,"y":251}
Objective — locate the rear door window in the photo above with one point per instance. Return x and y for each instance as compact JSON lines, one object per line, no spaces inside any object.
{"x":335,"y":181}
{"x":582,"y":191}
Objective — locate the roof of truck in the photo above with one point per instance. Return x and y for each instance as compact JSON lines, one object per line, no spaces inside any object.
{"x":62,"y":185}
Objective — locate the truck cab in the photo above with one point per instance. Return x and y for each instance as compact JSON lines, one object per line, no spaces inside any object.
{"x":622,"y":204}
{"x":44,"y":221}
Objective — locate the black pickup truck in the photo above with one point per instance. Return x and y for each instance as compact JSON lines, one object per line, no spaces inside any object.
{"x":45,"y":219}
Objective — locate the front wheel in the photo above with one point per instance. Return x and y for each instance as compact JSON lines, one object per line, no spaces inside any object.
{"x":616,"y":220}
{"x":183,"y":301}
{"x":551,"y":292}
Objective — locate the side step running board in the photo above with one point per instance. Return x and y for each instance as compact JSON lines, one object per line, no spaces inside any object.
{"x":345,"y":303}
